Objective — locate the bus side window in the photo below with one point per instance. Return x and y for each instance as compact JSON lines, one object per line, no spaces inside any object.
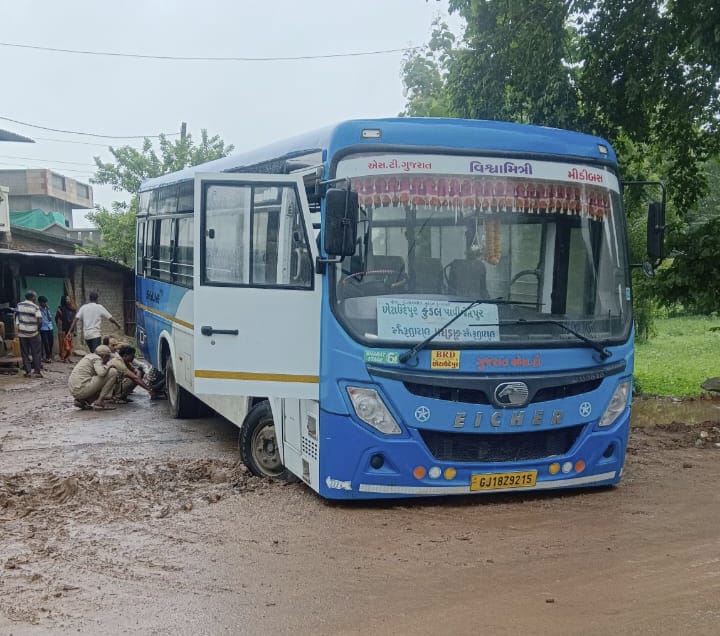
{"x":140,"y":248}
{"x":149,"y":248}
{"x":165,"y":249}
{"x":226,"y":237}
{"x":300,"y":256}
{"x":295,"y":261}
{"x":183,"y":274}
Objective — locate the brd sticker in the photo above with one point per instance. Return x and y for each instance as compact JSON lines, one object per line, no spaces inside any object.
{"x":444,"y":359}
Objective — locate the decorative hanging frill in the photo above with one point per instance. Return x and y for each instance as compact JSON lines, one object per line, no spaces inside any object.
{"x":489,"y":195}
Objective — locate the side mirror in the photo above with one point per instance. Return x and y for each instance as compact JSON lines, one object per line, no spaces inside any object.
{"x":341,"y":221}
{"x":656,"y":231}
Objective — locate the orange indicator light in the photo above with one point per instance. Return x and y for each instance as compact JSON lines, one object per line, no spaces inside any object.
{"x":579,"y":466}
{"x":419,"y":472}
{"x":554,"y":468}
{"x":450,"y":473}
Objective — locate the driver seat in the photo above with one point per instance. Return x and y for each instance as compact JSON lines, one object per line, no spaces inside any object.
{"x":468,"y":278}
{"x":428,"y":275}
{"x":390,"y":263}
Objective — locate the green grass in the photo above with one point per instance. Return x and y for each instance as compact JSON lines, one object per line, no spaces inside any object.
{"x":683,"y":354}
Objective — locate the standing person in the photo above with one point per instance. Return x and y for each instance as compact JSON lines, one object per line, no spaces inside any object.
{"x":29,"y":320}
{"x":46,"y":329}
{"x":93,"y":380}
{"x":63,"y":317}
{"x":91,"y":315}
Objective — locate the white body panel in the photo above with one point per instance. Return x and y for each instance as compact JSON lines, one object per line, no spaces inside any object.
{"x":276,"y":351}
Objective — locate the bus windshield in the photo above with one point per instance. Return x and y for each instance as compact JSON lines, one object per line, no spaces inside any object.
{"x":533,"y":250}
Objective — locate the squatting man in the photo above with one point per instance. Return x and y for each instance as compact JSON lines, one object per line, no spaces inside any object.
{"x":103,"y":378}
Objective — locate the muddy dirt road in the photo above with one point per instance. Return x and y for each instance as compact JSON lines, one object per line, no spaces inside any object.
{"x":128,"y":522}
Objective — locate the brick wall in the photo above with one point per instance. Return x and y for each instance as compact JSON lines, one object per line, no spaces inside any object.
{"x":110,"y":285}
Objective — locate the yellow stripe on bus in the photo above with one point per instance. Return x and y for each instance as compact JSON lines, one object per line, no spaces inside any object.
{"x":257,"y":377}
{"x":150,"y":310}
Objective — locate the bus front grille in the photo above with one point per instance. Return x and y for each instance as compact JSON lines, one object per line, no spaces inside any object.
{"x":482,"y":394}
{"x":500,"y":447}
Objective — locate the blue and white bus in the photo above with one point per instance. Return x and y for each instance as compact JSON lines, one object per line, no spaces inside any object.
{"x":400,"y":307}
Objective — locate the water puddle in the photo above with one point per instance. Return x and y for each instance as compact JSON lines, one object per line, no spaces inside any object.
{"x":649,"y":411}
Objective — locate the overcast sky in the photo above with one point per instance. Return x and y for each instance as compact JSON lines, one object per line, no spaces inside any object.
{"x":248,"y":104}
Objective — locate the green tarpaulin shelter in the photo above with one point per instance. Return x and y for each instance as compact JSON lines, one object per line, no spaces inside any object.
{"x":37,"y":219}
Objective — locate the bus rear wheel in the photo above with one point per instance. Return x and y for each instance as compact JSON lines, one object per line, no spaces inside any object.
{"x":259,"y":444}
{"x":182,"y":404}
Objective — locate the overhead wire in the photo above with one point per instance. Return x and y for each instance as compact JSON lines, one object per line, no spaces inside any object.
{"x":19,"y":166}
{"x":70,"y":141}
{"x":85,"y":134}
{"x":190,"y":58}
{"x":72,"y":163}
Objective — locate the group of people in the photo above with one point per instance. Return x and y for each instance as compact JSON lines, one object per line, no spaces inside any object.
{"x":36,"y":330}
{"x":104,"y":377}
{"x":108,"y":375}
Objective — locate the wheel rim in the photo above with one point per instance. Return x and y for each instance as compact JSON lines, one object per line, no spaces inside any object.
{"x":264,"y":448}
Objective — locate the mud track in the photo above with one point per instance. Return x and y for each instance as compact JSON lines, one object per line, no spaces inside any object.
{"x":129,"y":522}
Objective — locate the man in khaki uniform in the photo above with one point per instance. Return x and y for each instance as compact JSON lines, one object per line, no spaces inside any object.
{"x":92,"y":381}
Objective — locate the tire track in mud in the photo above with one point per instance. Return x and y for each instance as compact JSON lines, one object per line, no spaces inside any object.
{"x":132,"y":489}
{"x":64,"y":537}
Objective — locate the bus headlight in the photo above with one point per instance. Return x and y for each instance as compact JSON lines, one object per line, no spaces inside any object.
{"x":617,"y":405}
{"x":370,"y":408}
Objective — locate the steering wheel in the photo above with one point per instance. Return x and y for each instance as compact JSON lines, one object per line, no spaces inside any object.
{"x":525,"y":272}
{"x":391,"y":279}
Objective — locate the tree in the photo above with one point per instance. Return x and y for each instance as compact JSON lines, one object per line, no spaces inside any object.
{"x":130,"y":168}
{"x":117,"y":228}
{"x":517,"y":63}
{"x":691,"y":279}
{"x":651,"y":71}
{"x":424,"y":75}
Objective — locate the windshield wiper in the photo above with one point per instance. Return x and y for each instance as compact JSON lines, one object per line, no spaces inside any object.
{"x":604,"y":353}
{"x":404,"y":357}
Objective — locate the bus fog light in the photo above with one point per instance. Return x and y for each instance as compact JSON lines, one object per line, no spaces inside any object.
{"x":377,"y":461}
{"x":617,"y":405}
{"x":434,"y":472}
{"x":370,"y":408}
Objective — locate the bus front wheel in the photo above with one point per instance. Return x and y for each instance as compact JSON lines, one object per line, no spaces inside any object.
{"x":182,"y":403}
{"x":259,"y":444}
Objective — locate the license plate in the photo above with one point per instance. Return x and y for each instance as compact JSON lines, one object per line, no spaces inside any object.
{"x":500,"y":481}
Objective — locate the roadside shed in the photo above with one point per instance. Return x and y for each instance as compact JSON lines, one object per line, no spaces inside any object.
{"x":52,"y":275}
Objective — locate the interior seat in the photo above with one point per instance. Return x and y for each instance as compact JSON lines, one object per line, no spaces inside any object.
{"x":428,"y":274}
{"x":468,"y":278}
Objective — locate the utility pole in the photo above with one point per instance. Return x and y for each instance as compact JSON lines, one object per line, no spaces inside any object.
{"x":183,"y":132}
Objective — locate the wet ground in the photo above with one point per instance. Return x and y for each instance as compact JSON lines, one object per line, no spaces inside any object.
{"x":129,"y":522}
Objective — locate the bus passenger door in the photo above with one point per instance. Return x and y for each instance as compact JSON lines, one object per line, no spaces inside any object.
{"x":256,"y":293}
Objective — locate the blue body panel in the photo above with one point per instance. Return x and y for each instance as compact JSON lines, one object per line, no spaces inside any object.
{"x":158,"y":305}
{"x":347,"y":443}
{"x":348,"y":449}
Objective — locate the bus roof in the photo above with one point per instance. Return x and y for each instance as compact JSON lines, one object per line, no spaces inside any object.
{"x":428,"y":133}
